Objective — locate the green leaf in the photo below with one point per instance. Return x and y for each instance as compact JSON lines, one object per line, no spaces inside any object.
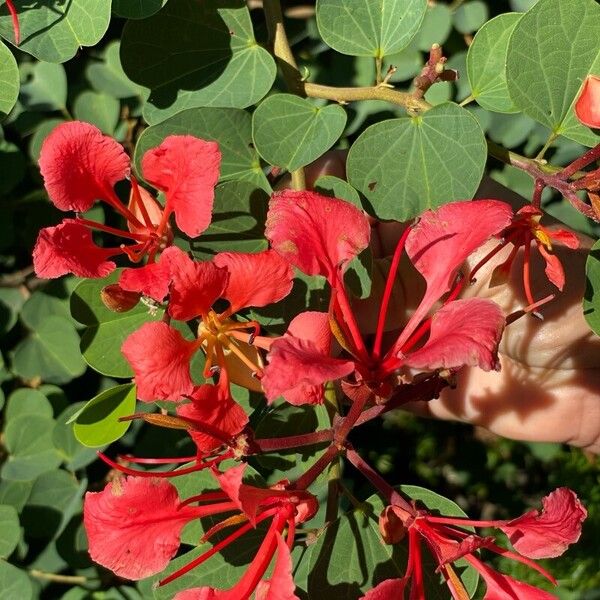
{"x":436,"y":27}
{"x":44,"y":129}
{"x":54,"y":31}
{"x":470,"y":16}
{"x":291,"y":132}
{"x":26,"y":401}
{"x":335,"y":187}
{"x":54,"y":498}
{"x":101,"y":110}
{"x":108,"y":76}
{"x":51,"y":352}
{"x":46,"y":88}
{"x":552,"y":49}
{"x":230,"y":127}
{"x":14,"y":583}
{"x":349,"y":557}
{"x":405,"y":166}
{"x":9,"y":81}
{"x":591,"y":300}
{"x":136,"y":9}
{"x":97,"y":423}
{"x":238,"y":223}
{"x":486,"y":63}
{"x":11,"y":530}
{"x":41,"y":305}
{"x":367,"y":28}
{"x":28,"y":439}
{"x":194,"y":54}
{"x":15,"y":493}
{"x":74,"y":455}
{"x":106,"y":330}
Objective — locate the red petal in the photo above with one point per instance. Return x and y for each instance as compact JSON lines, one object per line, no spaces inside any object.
{"x":186,"y":169}
{"x":69,"y":248}
{"x":296,"y":366}
{"x":152,"y":280}
{"x":553,"y":269}
{"x":281,"y":584}
{"x":195,"y":285}
{"x":80,"y":164}
{"x":255,"y":279}
{"x":565,"y":237}
{"x":203,"y":593}
{"x":549,"y":533}
{"x":218,"y":411}
{"x":503,"y":587}
{"x":317,"y":234}
{"x":133,"y":525}
{"x":160,"y":359}
{"x":587,"y":107}
{"x":441,"y":242}
{"x":463,"y":332}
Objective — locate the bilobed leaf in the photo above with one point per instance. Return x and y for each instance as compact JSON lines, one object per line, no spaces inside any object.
{"x":470,"y":16}
{"x":98,"y":109}
{"x":9,"y":81}
{"x":368,"y":28}
{"x":436,"y":26}
{"x":27,"y":401}
{"x":231,"y":128}
{"x":238,"y":223}
{"x":108,"y":76}
{"x":591,"y":299}
{"x":50,"y":352}
{"x":106,"y":330}
{"x":552,"y":49}
{"x":14,"y":583}
{"x":54,"y":31}
{"x":291,"y":132}
{"x":486,"y":63}
{"x":328,"y":185}
{"x":97,"y":423}
{"x":46,"y":88}
{"x":11,"y":530}
{"x":349,"y":557}
{"x":74,"y":455}
{"x":193,"y":54}
{"x":407,"y":165}
{"x":28,"y":439}
{"x":136,"y":9}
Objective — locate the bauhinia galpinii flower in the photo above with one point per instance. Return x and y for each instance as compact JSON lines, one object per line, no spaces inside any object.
{"x":134,"y":525}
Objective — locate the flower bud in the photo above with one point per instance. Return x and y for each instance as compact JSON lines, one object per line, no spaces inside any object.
{"x":392,"y":524}
{"x":117,"y":299}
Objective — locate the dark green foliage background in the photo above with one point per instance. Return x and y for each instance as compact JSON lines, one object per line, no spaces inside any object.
{"x":44,"y":378}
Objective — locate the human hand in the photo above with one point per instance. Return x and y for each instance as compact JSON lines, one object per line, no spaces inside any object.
{"x":548,"y":388}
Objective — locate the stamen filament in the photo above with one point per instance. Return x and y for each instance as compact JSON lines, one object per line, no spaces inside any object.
{"x":140,"y":237}
{"x":135,"y":188}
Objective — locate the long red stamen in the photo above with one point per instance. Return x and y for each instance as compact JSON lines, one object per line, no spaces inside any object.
{"x":140,"y":237}
{"x":387,"y":294}
{"x":112,"y":199}
{"x":15,"y":21}
{"x":216,"y":548}
{"x":527,"y":271}
{"x":139,"y":473}
{"x":156,"y":461}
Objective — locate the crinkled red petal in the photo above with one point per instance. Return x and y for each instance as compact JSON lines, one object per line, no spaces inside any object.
{"x":160,"y":359}
{"x":317,"y":234}
{"x":186,"y":168}
{"x":255,"y":279}
{"x":80,"y":165}
{"x":69,"y":248}
{"x":587,"y":107}
{"x":463,"y":332}
{"x":549,"y":533}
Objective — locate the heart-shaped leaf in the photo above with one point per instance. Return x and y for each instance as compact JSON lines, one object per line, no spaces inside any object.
{"x":193,"y":54}
{"x":405,"y":166}
{"x":55,"y":31}
{"x":97,"y":423}
{"x":552,"y":49}
{"x":486,"y":63}
{"x":139,"y":9}
{"x":368,"y":28}
{"x":231,"y":128}
{"x":9,"y":81}
{"x":308,"y":133}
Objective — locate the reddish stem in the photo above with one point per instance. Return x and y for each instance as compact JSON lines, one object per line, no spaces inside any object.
{"x":304,"y":481}
{"x":292,"y":441}
{"x":387,"y":294}
{"x":537,"y":193}
{"x":387,"y":491}
{"x":585,"y":159}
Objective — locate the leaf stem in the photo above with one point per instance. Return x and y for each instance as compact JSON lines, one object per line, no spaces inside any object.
{"x":58,"y":578}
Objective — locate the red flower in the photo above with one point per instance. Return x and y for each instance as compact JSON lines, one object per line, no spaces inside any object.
{"x":534,"y":535}
{"x":587,"y":107}
{"x":81,"y":165}
{"x":524,"y":229}
{"x":192,"y":288}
